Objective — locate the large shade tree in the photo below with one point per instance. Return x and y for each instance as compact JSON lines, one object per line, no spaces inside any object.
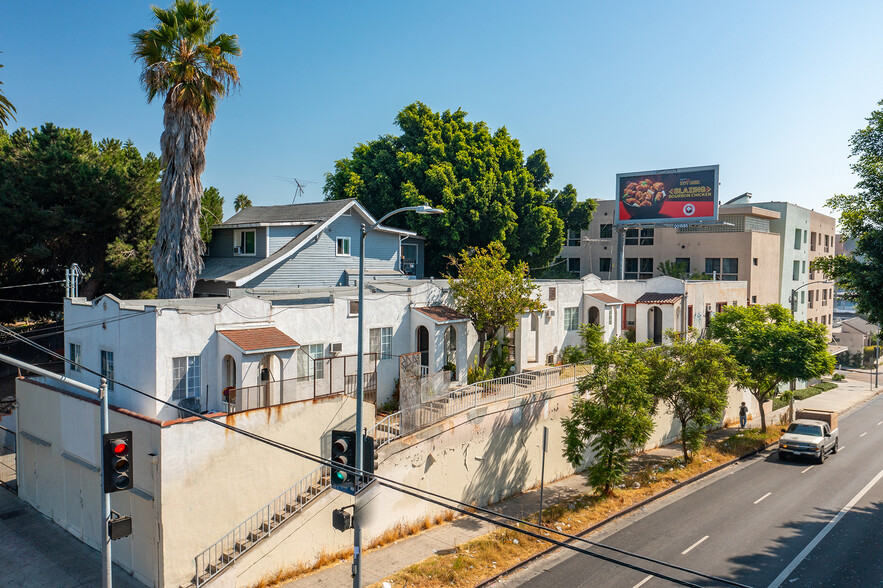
{"x":860,"y":273}
{"x":772,"y":348}
{"x":192,"y":71}
{"x":65,"y":199}
{"x":480,"y":177}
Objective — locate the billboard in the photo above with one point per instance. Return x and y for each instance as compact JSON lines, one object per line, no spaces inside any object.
{"x":683,"y":195}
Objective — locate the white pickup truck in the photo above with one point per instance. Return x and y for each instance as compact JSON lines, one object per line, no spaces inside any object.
{"x":814,"y":433}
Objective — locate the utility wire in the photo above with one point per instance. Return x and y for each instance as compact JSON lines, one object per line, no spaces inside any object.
{"x":458,"y":506}
{"x":29,"y":285}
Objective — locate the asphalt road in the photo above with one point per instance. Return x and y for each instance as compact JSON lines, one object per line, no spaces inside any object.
{"x":764,"y":523}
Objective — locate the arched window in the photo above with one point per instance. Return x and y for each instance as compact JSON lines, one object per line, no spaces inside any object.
{"x":594,"y":315}
{"x":451,"y":347}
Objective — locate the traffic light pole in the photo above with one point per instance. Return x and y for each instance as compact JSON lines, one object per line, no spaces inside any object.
{"x":106,"y":565}
{"x":360,"y":440}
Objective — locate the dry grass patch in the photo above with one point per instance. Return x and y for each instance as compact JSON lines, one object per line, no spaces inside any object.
{"x":490,"y":554}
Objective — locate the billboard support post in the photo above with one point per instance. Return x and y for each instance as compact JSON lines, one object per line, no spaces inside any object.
{"x":620,"y":252}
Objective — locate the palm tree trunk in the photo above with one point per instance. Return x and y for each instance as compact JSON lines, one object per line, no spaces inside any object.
{"x":177,"y":252}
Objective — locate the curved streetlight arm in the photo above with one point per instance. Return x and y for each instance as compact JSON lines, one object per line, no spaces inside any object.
{"x":793,"y":300}
{"x":422,"y":209}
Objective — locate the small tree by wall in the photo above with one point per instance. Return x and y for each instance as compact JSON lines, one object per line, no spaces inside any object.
{"x":615,"y":415}
{"x":772,"y":348}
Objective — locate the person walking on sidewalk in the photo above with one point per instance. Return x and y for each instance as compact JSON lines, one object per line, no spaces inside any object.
{"x":743,"y":415}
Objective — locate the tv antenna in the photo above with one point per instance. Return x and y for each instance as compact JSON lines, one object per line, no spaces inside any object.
{"x":299,"y":191}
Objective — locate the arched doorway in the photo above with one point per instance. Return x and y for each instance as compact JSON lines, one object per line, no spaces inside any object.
{"x":229,"y":381}
{"x":654,"y":325}
{"x":423,"y":345}
{"x":269,"y":376}
{"x":451,"y":351}
{"x":594,"y":315}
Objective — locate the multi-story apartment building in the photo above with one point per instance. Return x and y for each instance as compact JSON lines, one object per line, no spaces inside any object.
{"x":745,"y":248}
{"x":769,"y":245}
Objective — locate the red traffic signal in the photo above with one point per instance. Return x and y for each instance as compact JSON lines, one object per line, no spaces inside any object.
{"x":116,"y":472}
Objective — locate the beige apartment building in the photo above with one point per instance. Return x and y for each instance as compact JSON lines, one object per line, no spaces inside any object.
{"x":744,"y":249}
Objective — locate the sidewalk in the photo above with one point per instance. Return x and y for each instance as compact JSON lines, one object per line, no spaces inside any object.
{"x":382,"y":563}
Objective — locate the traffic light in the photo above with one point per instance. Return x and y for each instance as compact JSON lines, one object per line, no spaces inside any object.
{"x":117,"y":460}
{"x":343,"y":453}
{"x":369,"y":460}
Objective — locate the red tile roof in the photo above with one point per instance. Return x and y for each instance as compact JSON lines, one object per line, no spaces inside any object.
{"x":259,"y":339}
{"x":658,"y":298}
{"x":442,"y":314}
{"x":604,"y":298}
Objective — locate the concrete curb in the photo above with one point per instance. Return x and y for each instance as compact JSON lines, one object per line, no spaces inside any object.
{"x":620,"y":514}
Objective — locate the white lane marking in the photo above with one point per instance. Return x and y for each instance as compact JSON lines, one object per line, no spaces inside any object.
{"x":841,"y":448}
{"x":807,"y":469}
{"x":762,"y":497}
{"x":642,"y":582}
{"x":880,"y":423}
{"x":863,"y":434}
{"x":818,"y":538}
{"x":686,"y":551}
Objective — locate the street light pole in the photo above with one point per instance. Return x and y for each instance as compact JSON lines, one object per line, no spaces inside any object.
{"x":360,"y":390}
{"x":793,"y":305}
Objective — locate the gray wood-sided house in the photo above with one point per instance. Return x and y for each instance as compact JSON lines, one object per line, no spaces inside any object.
{"x":311,"y":244}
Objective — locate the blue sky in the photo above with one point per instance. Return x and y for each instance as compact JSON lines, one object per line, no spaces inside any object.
{"x":770,"y":91}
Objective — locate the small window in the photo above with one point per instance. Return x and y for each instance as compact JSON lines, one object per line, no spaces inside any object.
{"x":646,"y":237}
{"x":74,"y":356}
{"x":571,"y":318}
{"x":803,"y":267}
{"x":797,"y":238}
{"x":107,"y":367}
{"x":630,"y":315}
{"x":712,"y":265}
{"x":690,"y":315}
{"x":604,"y":264}
{"x":343,"y":246}
{"x":754,"y":261}
{"x":609,"y":316}
{"x":573,"y":265}
{"x":380,"y":342}
{"x":573,"y":238}
{"x":803,"y":297}
{"x":186,"y":377}
{"x":631,"y":236}
{"x":631,"y":268}
{"x":243,"y":242}
{"x":354,"y":308}
{"x":317,"y":365}
{"x":795,"y":272}
{"x":646,"y":271}
{"x":754,"y":299}
{"x":606,"y":231}
{"x":805,"y":233}
{"x":730,"y":268}
{"x":552,"y":293}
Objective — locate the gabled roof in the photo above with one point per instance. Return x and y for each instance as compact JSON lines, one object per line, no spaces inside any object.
{"x":860,"y":325}
{"x":240,"y":273}
{"x":442,"y":314}
{"x":261,"y":339}
{"x":658,"y":298}
{"x":605,"y":298}
{"x":308,"y":212}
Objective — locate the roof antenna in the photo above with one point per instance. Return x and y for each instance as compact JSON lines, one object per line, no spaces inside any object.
{"x":299,"y":191}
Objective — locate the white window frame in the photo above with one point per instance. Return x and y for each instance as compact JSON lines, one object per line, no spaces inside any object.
{"x":107,"y":367}
{"x":316,"y":351}
{"x":343,"y":241}
{"x":571,"y":318}
{"x":380,"y":342}
{"x":191,"y":377}
{"x":239,"y":242}
{"x":573,"y":238}
{"x":75,"y":351}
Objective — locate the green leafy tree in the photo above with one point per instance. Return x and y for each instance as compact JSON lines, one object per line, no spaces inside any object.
{"x":66,"y":199}
{"x":675,"y":270}
{"x":860,"y":274}
{"x":490,"y":294}
{"x":211,"y":212}
{"x":7,"y":110}
{"x":241,"y":203}
{"x":772,"y":349}
{"x":480,"y":177}
{"x":192,"y":71}
{"x":614,"y":413}
{"x":693,"y":379}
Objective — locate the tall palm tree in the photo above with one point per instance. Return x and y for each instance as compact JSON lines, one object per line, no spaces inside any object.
{"x":193,"y":72}
{"x":7,"y":110}
{"x":242,"y":202}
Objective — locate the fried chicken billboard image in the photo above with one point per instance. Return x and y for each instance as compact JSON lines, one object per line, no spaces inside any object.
{"x":686,"y":195}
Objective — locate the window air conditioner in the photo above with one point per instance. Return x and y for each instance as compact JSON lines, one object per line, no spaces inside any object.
{"x":237,"y":250}
{"x":550,"y":312}
{"x":336,"y":348}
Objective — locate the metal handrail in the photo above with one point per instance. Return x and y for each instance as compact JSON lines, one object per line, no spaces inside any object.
{"x":217,"y":557}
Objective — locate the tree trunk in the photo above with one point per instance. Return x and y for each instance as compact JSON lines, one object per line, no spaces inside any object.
{"x":684,"y":440}
{"x":762,"y":415}
{"x":177,"y":252}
